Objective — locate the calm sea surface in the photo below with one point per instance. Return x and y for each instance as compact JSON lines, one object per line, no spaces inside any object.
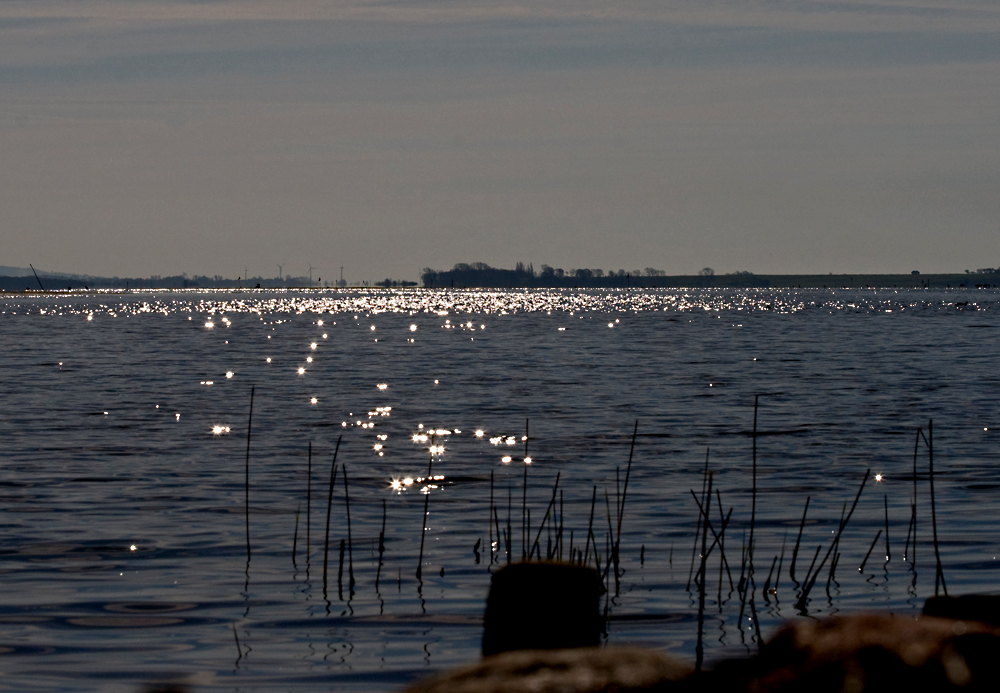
{"x":123,"y":531}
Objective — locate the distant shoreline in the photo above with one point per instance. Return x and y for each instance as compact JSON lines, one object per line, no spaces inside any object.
{"x":446,"y":280}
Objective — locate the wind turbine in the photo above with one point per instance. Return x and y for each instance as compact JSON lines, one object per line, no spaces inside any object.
{"x":280,"y":274}
{"x":311,"y":268}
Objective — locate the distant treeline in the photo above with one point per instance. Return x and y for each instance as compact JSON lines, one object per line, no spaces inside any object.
{"x":482,"y":275}
{"x":479,"y":274}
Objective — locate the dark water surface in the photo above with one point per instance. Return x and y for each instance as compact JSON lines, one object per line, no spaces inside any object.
{"x":108,"y":443}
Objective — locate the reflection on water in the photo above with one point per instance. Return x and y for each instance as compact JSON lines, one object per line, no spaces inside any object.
{"x":123,"y":533}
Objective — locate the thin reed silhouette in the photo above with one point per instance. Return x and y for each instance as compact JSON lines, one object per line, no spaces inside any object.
{"x":798,"y":540}
{"x":939,"y":571}
{"x":381,"y":547}
{"x":329,"y":506}
{"x":423,"y":519}
{"x":836,"y":541}
{"x":590,"y":529}
{"x":697,"y":531}
{"x":861,"y":569}
{"x":246,"y":477}
{"x":888,"y":553}
{"x":350,"y":543}
{"x":309,"y":474}
{"x":295,"y":538}
{"x":699,"y":648}
{"x":548,"y":513}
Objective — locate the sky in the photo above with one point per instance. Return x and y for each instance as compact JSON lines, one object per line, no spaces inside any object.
{"x":147,"y":137}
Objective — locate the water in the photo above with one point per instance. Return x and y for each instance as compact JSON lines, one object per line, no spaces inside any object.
{"x":108,"y":441}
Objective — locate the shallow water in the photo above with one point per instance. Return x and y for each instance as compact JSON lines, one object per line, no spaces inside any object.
{"x":108,"y":443}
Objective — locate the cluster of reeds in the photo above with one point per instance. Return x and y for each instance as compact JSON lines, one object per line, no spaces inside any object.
{"x":549,"y":540}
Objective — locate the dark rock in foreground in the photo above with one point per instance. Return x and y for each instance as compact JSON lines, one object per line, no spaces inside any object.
{"x":578,"y":670}
{"x":847,"y":654}
{"x":867,"y":652}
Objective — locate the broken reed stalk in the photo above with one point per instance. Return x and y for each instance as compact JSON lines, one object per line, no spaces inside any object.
{"x":812,"y":565}
{"x":836,"y":541}
{"x":628,"y":473}
{"x":798,"y":540}
{"x":770,"y":574}
{"x":590,"y":527}
{"x":423,"y":518}
{"x":699,"y":649}
{"x":861,"y":569}
{"x":939,"y":571}
{"x":548,"y":514}
{"x":697,"y":530}
{"x":831,"y":576}
{"x":381,"y":547}
{"x":350,"y":543}
{"x":722,"y":547}
{"x":246,"y":483}
{"x":329,"y":506}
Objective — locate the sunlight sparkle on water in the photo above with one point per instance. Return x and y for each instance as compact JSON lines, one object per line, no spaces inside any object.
{"x":383,"y":386}
{"x":229,"y":374}
{"x":313,"y":400}
{"x":479,"y":433}
{"x":527,"y":460}
{"x":878,"y":477}
{"x":505,"y":459}
{"x":302,"y":370}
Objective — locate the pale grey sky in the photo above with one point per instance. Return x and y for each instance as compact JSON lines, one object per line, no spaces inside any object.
{"x":156,"y":137}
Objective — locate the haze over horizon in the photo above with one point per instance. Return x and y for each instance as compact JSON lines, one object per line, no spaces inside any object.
{"x":168,"y":136}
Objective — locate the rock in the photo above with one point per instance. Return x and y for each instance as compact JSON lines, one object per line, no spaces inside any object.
{"x":578,"y":670}
{"x":867,"y":652}
{"x":970,"y":607}
{"x":545,"y":605}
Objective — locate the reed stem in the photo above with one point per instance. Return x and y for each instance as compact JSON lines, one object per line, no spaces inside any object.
{"x":423,"y":518}
{"x":939,"y":571}
{"x":246,"y":483}
{"x":350,"y":543}
{"x":699,"y":649}
{"x":861,"y":569}
{"x":329,"y":506}
{"x":798,"y":540}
